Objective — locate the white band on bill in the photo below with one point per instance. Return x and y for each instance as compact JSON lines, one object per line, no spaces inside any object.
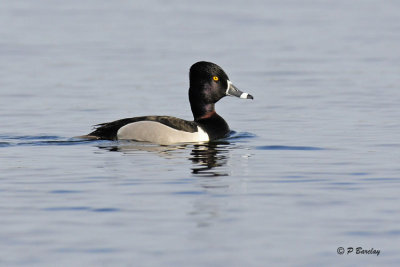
{"x":244,"y":95}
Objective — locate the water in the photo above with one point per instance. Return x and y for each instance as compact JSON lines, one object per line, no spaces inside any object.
{"x":313,"y":164}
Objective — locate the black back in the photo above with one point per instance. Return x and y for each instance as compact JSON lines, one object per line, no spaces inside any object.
{"x":109,"y":130}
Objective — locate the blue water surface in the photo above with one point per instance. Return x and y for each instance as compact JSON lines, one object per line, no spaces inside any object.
{"x":311,"y":165}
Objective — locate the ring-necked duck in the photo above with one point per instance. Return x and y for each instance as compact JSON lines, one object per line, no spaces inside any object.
{"x":208,"y":84}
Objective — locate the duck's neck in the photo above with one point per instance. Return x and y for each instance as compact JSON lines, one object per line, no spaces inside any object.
{"x":206,"y":117}
{"x":214,"y":125}
{"x":202,"y":111}
{"x":200,"y":105}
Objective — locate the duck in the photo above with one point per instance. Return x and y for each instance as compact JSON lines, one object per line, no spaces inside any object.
{"x":208,"y":83}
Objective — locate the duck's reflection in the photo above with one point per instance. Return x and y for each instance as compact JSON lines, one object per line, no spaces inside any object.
{"x":208,"y":162}
{"x":208,"y":159}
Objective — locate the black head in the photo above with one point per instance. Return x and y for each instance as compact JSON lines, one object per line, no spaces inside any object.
{"x":208,"y":84}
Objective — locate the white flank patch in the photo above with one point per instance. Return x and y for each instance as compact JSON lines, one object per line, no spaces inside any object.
{"x":203,"y":136}
{"x":155,"y":132}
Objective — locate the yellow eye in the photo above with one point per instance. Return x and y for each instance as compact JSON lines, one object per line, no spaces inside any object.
{"x":215,"y":78}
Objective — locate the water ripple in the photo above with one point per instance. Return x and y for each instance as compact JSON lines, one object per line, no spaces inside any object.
{"x":81,"y":208}
{"x":278,"y":147}
{"x":38,"y":140}
{"x":240,"y":135}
